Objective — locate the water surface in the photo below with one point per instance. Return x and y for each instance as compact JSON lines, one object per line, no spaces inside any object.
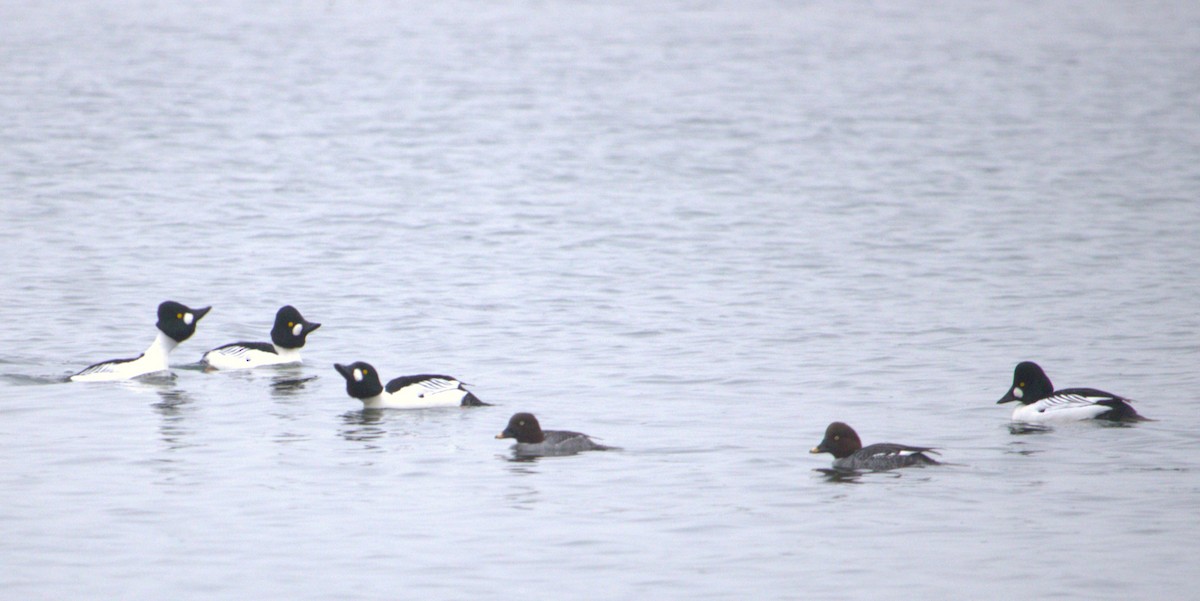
{"x":700,"y":232}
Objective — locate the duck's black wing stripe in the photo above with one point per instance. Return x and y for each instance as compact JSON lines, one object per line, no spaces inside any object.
{"x":104,"y":367}
{"x":1121,"y":407}
{"x":1092,"y":394}
{"x":1080,"y":397}
{"x":889,"y":448}
{"x":239,"y":348}
{"x":431,"y":382}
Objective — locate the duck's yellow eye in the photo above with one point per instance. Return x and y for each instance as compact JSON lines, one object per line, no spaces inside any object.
{"x":1021,"y":385}
{"x":365,"y":372}
{"x":290,"y":324}
{"x":179,"y":316}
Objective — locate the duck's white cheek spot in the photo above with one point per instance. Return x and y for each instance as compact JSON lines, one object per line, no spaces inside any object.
{"x":188,"y":318}
{"x":358,"y":375}
{"x":1017,"y":392}
{"x":297,"y":329}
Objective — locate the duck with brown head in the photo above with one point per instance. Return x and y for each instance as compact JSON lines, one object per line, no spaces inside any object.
{"x":848,"y":452}
{"x":533,"y":440}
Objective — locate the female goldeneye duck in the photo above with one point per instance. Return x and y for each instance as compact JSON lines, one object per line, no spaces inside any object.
{"x":287,"y":338}
{"x":407,"y":392}
{"x":532,"y":440}
{"x":1041,"y":403}
{"x":848,"y":453}
{"x":176,"y":323}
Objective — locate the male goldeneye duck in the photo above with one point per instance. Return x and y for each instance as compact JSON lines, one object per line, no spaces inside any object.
{"x":532,"y":440}
{"x":287,"y":338}
{"x":1041,"y":403}
{"x":176,"y":323}
{"x":406,"y":392}
{"x":848,"y":453}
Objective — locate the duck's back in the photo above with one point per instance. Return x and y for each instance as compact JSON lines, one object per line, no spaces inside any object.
{"x":886,"y":456}
{"x":113,"y":370}
{"x":242,"y":355}
{"x":560,"y":442}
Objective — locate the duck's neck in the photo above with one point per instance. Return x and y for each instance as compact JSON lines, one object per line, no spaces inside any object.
{"x":159,"y":350}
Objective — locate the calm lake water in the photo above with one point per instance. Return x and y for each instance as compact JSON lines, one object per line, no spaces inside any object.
{"x":699,"y":231}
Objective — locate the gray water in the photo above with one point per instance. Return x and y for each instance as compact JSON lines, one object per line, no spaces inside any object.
{"x":699,"y":231}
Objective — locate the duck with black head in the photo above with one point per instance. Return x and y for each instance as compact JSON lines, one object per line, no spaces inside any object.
{"x":424,"y":391}
{"x":1038,"y":401}
{"x":176,"y":323}
{"x":288,"y":336}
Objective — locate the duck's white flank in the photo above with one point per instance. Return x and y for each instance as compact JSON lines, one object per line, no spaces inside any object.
{"x":1061,"y":408}
{"x":236,"y":356}
{"x":154,"y":359}
{"x":425,"y":394}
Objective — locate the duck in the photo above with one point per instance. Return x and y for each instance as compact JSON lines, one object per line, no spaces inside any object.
{"x":1039,"y":402}
{"x":176,"y":323}
{"x":421,"y":391}
{"x":843,"y":443}
{"x":288,"y":336}
{"x":532,"y":440}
